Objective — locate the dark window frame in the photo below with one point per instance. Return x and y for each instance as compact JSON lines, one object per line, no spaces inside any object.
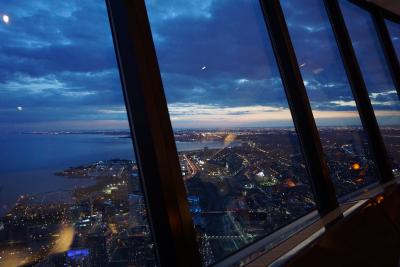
{"x":168,"y":211}
{"x":379,"y":15}
{"x":359,"y":90}
{"x":371,"y":7}
{"x":170,"y":220}
{"x":299,"y":104}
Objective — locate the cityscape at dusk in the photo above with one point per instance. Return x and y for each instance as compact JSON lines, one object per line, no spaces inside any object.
{"x":70,"y":186}
{"x":241,"y":184}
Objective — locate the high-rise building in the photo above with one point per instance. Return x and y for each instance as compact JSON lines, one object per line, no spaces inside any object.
{"x":97,"y":246}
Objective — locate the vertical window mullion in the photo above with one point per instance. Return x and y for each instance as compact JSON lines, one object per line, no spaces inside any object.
{"x":300,"y":107}
{"x":359,"y":90}
{"x":387,"y":46}
{"x":156,"y":154}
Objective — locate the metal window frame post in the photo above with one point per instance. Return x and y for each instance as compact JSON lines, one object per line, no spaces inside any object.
{"x":387,"y":46}
{"x":156,"y":154}
{"x":359,"y":90}
{"x":321,"y":182}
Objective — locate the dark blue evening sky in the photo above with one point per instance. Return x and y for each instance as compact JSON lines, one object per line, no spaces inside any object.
{"x":58,"y":69}
{"x":394,"y":30}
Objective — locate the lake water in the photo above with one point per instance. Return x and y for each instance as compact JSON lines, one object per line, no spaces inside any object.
{"x":28,"y":161}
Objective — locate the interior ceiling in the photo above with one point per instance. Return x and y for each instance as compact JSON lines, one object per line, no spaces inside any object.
{"x":391,"y":5}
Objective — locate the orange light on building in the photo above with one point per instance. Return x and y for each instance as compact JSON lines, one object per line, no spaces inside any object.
{"x":356,"y":166}
{"x":379,"y":199}
{"x":290,"y":183}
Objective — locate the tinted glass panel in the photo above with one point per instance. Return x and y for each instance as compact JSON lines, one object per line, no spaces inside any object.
{"x":70,"y":194}
{"x":239,"y":153}
{"x":394,"y":31}
{"x":376,"y":74}
{"x":343,"y":139}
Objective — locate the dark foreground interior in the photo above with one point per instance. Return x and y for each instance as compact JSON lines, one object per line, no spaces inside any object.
{"x":370,"y":236}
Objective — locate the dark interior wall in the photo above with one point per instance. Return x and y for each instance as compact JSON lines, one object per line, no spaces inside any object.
{"x":391,"y":5}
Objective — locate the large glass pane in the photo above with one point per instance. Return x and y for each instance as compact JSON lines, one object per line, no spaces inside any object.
{"x":69,"y":188}
{"x":240,"y":156}
{"x":343,"y":139}
{"x":394,"y":31}
{"x":377,"y":77}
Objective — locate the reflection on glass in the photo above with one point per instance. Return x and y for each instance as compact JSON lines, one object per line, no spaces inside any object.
{"x":239,"y":153}
{"x":343,"y":139}
{"x":394,"y":31}
{"x":376,"y":74}
{"x":69,"y":185}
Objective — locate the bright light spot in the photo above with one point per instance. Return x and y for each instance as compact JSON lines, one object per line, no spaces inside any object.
{"x":6,"y":19}
{"x":242,"y":81}
{"x":204,"y":67}
{"x":302,"y":65}
{"x":63,"y":240}
{"x":356,"y":166}
{"x":379,"y":199}
{"x":261,"y":174}
{"x":306,"y":83}
{"x":19,"y":108}
{"x":290,"y":183}
{"x":229,"y":139}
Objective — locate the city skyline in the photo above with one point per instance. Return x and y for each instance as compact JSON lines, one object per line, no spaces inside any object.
{"x":76,"y":189}
{"x":241,"y":186}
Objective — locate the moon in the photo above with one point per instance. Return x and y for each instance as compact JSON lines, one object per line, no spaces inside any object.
{"x":19,"y":108}
{"x":6,"y":19}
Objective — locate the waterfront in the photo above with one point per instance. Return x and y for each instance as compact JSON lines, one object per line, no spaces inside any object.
{"x":242,"y":184}
{"x":29,"y":161}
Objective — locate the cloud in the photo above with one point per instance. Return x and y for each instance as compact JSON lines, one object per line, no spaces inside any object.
{"x":83,"y":124}
{"x":342,"y":103}
{"x":117,"y":110}
{"x":49,"y":85}
{"x":192,"y":114}
{"x":385,"y":103}
{"x":174,"y":9}
{"x":385,"y":93}
{"x":58,"y":62}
